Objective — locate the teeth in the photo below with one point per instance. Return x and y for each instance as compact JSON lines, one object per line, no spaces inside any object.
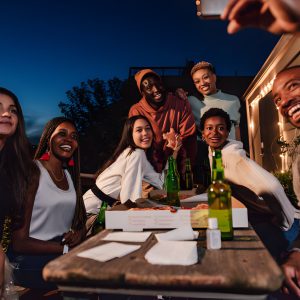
{"x":293,"y":109}
{"x":296,"y":115}
{"x":66,"y":147}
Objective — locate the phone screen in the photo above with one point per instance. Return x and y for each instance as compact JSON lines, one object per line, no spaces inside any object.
{"x":210,"y":8}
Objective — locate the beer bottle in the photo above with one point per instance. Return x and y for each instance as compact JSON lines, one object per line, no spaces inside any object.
{"x":219,"y":198}
{"x":188,"y":176}
{"x":100,"y":221}
{"x":172,"y":183}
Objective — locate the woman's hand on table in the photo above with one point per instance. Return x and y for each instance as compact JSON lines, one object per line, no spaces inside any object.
{"x":291,"y":270}
{"x":73,"y":237}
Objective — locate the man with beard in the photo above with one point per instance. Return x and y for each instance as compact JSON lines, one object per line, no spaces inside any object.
{"x":286,"y":95}
{"x":165,"y":111}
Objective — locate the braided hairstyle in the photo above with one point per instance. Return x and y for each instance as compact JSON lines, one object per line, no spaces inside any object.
{"x":80,"y":213}
{"x":16,"y":165}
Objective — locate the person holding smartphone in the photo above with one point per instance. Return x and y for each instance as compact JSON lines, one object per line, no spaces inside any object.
{"x":275,"y":16}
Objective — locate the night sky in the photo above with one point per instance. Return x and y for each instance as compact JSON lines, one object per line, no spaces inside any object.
{"x":47,"y":46}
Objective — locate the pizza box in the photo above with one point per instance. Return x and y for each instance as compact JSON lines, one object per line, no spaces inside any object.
{"x":122,"y":217}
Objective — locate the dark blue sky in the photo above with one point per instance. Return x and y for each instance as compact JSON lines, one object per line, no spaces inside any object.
{"x":47,"y":46}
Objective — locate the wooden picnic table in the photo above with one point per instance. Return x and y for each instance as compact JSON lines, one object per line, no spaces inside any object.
{"x":242,"y":269}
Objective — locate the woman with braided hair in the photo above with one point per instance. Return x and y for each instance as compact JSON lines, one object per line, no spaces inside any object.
{"x":55,"y":215}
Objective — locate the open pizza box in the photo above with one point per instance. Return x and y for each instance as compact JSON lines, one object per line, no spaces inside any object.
{"x":150,"y":214}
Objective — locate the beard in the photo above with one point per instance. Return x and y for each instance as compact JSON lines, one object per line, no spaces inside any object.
{"x":156,"y":104}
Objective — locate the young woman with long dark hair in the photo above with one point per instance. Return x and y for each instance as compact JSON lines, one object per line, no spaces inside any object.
{"x":55,"y":215}
{"x":122,"y":175}
{"x":16,"y":167}
{"x":15,"y":163}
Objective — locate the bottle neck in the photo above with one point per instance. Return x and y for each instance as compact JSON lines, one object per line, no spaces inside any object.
{"x":188,"y":165}
{"x":217,"y":166}
{"x":172,"y":165}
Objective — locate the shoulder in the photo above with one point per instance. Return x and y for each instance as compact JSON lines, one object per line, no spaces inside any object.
{"x":138,"y":153}
{"x":233,"y":149}
{"x":39,"y":165}
{"x":176,"y":102}
{"x":135,"y":109}
{"x":228,"y":97}
{"x":135,"y":157}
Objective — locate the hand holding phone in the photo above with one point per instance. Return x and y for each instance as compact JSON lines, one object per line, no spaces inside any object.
{"x":210,"y":9}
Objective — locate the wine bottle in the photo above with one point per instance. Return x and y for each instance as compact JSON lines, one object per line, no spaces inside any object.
{"x":219,"y":198}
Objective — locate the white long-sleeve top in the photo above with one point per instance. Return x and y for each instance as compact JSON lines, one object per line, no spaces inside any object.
{"x":241,"y":170}
{"x":123,"y":179}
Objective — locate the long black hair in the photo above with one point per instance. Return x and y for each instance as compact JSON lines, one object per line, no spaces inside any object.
{"x":16,"y":165}
{"x":128,"y":142}
{"x":79,"y":218}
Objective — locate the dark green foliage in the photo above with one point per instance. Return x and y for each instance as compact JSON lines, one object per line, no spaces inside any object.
{"x":99,"y":110}
{"x":286,"y":180}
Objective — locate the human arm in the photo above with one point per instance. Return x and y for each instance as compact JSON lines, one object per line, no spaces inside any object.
{"x":241,"y":170}
{"x":275,"y":16}
{"x":131,"y":181}
{"x":21,"y":242}
{"x":291,"y":271}
{"x":73,"y":237}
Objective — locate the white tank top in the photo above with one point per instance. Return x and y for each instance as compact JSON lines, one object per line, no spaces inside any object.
{"x":53,"y":208}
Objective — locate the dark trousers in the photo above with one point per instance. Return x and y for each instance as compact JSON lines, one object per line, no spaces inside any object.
{"x":27,"y":269}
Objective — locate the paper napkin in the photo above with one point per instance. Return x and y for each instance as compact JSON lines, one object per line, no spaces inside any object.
{"x":122,"y":236}
{"x":108,"y":251}
{"x":173,"y":253}
{"x":183,"y":233}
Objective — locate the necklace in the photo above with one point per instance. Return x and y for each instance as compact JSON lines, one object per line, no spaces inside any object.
{"x":57,"y":179}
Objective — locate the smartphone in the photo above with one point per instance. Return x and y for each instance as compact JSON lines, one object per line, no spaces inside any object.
{"x":210,"y":9}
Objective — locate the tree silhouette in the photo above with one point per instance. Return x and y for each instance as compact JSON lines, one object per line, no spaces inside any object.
{"x":99,"y":109}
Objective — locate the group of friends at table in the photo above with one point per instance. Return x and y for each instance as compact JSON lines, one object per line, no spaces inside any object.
{"x":43,"y":207}
{"x":43,"y":210}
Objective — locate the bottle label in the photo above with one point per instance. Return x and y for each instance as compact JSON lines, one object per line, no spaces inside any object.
{"x":224,"y":217}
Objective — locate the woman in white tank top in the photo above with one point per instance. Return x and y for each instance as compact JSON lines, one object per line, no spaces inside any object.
{"x":55,"y":214}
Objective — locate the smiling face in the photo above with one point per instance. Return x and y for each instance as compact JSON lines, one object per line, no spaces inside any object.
{"x":8,"y":116}
{"x":142,"y":134}
{"x":153,"y":90}
{"x":205,"y":81}
{"x":215,"y":132}
{"x":64,"y":141}
{"x":286,"y":95}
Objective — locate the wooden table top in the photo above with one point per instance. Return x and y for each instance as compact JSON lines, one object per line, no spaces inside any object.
{"x":242,"y":266}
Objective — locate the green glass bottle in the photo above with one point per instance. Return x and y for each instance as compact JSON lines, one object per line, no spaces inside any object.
{"x":100,"y":222}
{"x":172,"y":183}
{"x":188,"y":175}
{"x":219,"y":198}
